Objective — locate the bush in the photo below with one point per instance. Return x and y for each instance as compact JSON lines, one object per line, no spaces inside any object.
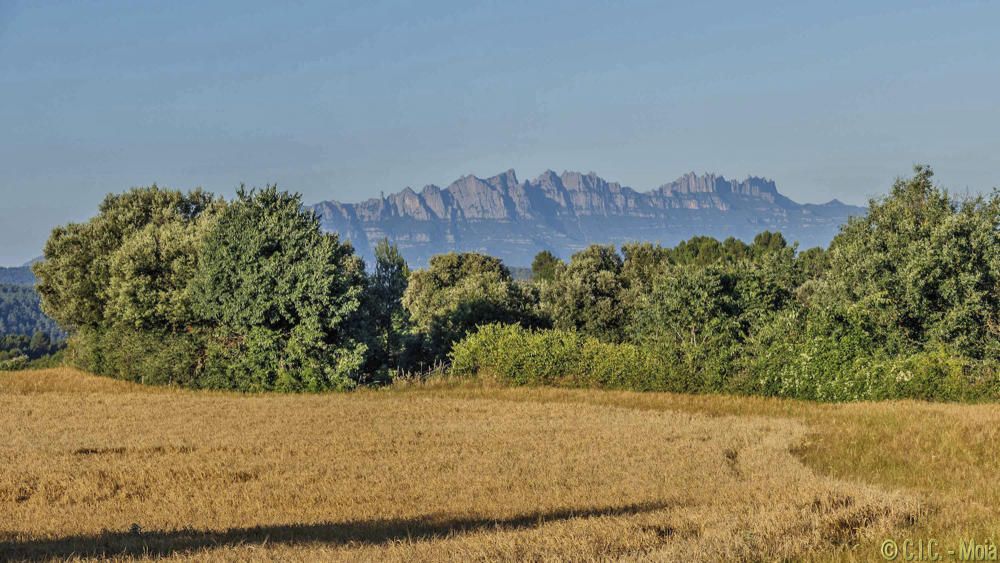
{"x":817,"y":367}
{"x":281,"y":299}
{"x":14,"y":364}
{"x":520,"y":356}
{"x":458,"y":292}
{"x":139,"y":356}
{"x":53,"y":360}
{"x":619,"y":366}
{"x":807,"y":356}
{"x":937,"y":375}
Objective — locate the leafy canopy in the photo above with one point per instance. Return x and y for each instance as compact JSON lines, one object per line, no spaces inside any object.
{"x":282,"y":297}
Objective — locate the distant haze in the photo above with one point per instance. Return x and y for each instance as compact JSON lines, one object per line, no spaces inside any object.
{"x":342,"y":101}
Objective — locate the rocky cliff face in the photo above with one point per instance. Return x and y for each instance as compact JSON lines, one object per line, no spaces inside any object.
{"x":565,"y":212}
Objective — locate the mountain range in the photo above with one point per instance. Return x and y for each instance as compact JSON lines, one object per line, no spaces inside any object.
{"x":563,"y":213}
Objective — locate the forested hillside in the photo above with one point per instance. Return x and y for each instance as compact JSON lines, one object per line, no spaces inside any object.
{"x":21,"y":313}
{"x":20,"y":275}
{"x":25,"y":332}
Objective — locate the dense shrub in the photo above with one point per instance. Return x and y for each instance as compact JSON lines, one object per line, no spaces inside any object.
{"x":280,"y":300}
{"x":15,"y":363}
{"x":822,"y":370}
{"x":589,"y":294}
{"x":458,"y":292}
{"x":800,"y":355}
{"x":141,"y":356}
{"x":522,"y":356}
{"x":173,"y":288}
{"x":505,"y":350}
{"x":937,"y":375}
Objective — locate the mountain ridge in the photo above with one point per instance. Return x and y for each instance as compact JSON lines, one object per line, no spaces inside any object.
{"x":17,"y":275}
{"x":514,"y":219}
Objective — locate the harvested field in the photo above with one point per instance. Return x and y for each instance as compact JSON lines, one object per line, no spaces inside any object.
{"x":455,"y":471}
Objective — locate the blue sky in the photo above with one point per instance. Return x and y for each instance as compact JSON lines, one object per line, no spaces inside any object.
{"x":344,"y":100}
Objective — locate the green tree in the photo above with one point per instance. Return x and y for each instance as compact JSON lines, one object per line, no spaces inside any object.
{"x":384,"y":303}
{"x":590,"y":294}
{"x":812,"y":263}
{"x":151,"y":272}
{"x":691,"y":320}
{"x":117,"y":283}
{"x":543,"y":267}
{"x":923,"y":267}
{"x":74,"y":279}
{"x":706,"y":251}
{"x":642,"y":263}
{"x":766,"y":282}
{"x":281,"y":298}
{"x":767,"y":242}
{"x":460,"y":291}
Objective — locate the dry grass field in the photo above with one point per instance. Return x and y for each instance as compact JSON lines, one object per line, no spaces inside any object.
{"x":91,"y":467}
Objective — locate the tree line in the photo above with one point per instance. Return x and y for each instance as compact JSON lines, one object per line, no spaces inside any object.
{"x":170,"y":287}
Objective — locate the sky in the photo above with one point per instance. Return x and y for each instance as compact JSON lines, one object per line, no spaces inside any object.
{"x":340,"y":100}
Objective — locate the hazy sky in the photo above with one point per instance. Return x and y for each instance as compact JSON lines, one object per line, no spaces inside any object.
{"x":343,"y":100}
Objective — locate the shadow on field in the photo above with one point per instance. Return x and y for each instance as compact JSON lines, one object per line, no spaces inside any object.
{"x":373,"y":532}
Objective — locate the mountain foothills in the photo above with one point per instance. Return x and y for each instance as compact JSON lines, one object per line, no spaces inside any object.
{"x":563,"y":213}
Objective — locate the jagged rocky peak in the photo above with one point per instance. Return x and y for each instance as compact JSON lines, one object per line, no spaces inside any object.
{"x":549,"y":182}
{"x":514,"y":219}
{"x":578,"y":181}
{"x":692,"y":183}
{"x":437,"y":200}
{"x":503,"y":197}
{"x":476,"y":198}
{"x":757,"y":187}
{"x":505,"y":181}
{"x":549,"y":178}
{"x":408,"y":203}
